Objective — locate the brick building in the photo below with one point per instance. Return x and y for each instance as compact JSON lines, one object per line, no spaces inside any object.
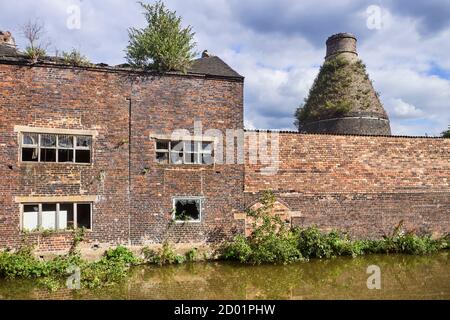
{"x":119,"y":152}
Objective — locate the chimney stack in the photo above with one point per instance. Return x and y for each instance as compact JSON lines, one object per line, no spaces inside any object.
{"x":342,"y":44}
{"x":7,"y":39}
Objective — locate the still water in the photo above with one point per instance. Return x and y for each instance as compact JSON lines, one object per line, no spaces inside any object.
{"x":402,"y":277}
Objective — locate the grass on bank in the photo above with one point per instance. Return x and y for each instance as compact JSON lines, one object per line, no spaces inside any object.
{"x":271,"y":242}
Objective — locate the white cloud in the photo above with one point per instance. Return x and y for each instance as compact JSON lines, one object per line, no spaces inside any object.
{"x":278,"y":46}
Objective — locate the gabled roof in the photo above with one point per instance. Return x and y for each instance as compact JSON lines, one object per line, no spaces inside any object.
{"x":213,"y":66}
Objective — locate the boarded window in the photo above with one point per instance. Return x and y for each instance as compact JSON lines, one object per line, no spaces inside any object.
{"x":188,"y":210}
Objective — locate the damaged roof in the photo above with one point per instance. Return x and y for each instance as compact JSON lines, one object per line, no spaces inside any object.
{"x":211,"y":66}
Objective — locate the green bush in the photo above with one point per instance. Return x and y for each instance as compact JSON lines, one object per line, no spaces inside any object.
{"x":165,"y":255}
{"x":191,"y":255}
{"x":75,"y":58}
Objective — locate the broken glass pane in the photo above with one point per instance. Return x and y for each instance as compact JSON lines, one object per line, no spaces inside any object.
{"x":83,"y":156}
{"x":65,"y":155}
{"x":84,"y":141}
{"x":162,"y":145}
{"x":65,"y":141}
{"x":187,"y":209}
{"x":162,"y":157}
{"x":29,"y":154}
{"x":30,"y":139}
{"x":48,"y":155}
{"x":84,"y":216}
{"x":48,"y":140}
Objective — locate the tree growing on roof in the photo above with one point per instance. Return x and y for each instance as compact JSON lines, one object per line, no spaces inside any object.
{"x":163,"y":45}
{"x":34,"y":32}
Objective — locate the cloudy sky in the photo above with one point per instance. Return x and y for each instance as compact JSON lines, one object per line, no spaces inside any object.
{"x":279,"y":45}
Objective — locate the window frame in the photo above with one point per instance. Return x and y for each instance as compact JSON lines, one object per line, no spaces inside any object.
{"x":200,"y":216}
{"x":58,"y":205}
{"x":57,"y":147}
{"x":198,"y":152}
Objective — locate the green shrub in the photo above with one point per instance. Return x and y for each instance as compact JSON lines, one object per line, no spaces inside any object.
{"x":75,"y":58}
{"x":191,"y":255}
{"x":35,"y":54}
{"x":270,"y":241}
{"x":121,"y":254}
{"x":165,"y":255}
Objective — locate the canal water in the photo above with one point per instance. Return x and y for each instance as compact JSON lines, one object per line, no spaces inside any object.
{"x":402,"y":277}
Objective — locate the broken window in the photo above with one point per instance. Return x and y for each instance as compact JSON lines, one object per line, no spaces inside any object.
{"x":188,"y":209}
{"x":84,"y":215}
{"x":56,"y":148}
{"x":56,"y":216}
{"x":184,"y":152}
{"x":30,"y":145}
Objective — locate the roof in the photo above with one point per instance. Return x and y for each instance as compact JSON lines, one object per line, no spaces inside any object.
{"x":209,"y":66}
{"x":7,"y":50}
{"x":213,"y":66}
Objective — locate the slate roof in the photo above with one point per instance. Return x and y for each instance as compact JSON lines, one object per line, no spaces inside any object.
{"x":7,"y":51}
{"x":213,"y":66}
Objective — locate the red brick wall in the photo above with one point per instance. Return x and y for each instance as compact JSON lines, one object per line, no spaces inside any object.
{"x":94,"y":99}
{"x":365,"y":185}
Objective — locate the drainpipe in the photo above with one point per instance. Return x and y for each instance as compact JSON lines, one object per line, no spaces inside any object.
{"x":129,"y":170}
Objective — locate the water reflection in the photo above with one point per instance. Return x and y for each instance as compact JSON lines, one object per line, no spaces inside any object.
{"x":402,"y":277}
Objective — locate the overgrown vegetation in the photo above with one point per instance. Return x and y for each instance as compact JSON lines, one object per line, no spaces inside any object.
{"x":75,"y":58}
{"x":162,"y":45}
{"x":34,"y":32}
{"x":332,"y":91}
{"x":272,"y":242}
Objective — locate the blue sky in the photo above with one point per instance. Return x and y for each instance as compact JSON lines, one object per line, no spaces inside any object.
{"x":279,"y":45}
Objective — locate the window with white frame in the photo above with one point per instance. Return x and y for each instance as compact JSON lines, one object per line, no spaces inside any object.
{"x":187,"y":209}
{"x":44,"y":147}
{"x":184,"y":152}
{"x":56,"y":216}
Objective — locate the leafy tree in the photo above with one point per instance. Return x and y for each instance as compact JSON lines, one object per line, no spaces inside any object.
{"x":446,"y":134}
{"x":163,"y":44}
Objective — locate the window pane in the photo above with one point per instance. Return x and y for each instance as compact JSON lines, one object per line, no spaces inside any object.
{"x":207,"y":146}
{"x":48,"y":155}
{"x":176,"y":157}
{"x":30,"y":139}
{"x":65,"y":155}
{"x":48,"y":140}
{"x":65,"y":141}
{"x":84,"y":216}
{"x":207,"y":158}
{"x":177,"y":146}
{"x":29,"y":154}
{"x":162,"y":157}
{"x":66,"y":217}
{"x":83,"y":156}
{"x":189,"y":146}
{"x":30,"y":217}
{"x":48,"y":217}
{"x":187,"y":209}
{"x":189,"y":158}
{"x":162,"y":145}
{"x":84,"y":141}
